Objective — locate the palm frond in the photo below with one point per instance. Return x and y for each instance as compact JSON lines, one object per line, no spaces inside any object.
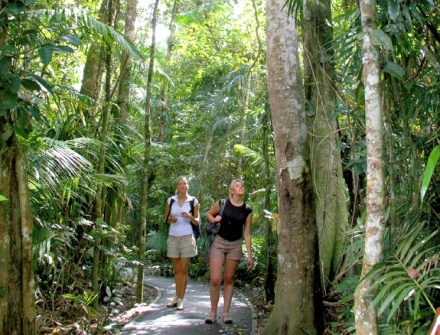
{"x":407,"y":279}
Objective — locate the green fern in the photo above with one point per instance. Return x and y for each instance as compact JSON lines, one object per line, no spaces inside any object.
{"x":406,"y":281}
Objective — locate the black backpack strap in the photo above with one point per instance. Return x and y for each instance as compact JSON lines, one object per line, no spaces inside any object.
{"x":169,"y":212}
{"x":191,"y":203}
{"x":222,"y":206}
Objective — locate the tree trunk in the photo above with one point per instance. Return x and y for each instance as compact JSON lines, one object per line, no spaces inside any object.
{"x":270,"y":238}
{"x":17,"y":299}
{"x":364,"y":310}
{"x":146,"y":170}
{"x":93,"y":69}
{"x":331,"y":210}
{"x":17,"y":302}
{"x":164,"y":89}
{"x":296,"y":309}
{"x":124,"y":85}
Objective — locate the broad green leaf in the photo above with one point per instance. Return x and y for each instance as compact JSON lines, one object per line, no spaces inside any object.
{"x":5,"y":64}
{"x":3,"y":198}
{"x":381,"y":39}
{"x":14,"y":84}
{"x":45,"y":54}
{"x":43,"y":84}
{"x":72,"y":39}
{"x":429,"y":170}
{"x":8,"y":100}
{"x":393,"y":9}
{"x":63,"y":49}
{"x":31,"y":85}
{"x":15,"y":8}
{"x":394,"y":69}
{"x":35,"y":112}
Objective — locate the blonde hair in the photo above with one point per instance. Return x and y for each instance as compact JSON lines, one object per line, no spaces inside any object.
{"x":231,"y":186}
{"x":179,"y":179}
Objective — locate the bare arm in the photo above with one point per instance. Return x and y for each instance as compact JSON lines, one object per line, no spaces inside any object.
{"x":171,"y":219}
{"x":248,"y":241}
{"x":212,"y":214}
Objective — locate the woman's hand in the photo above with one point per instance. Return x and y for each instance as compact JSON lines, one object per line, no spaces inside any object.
{"x":217,"y":219}
{"x":172,"y":219}
{"x":249,"y":263}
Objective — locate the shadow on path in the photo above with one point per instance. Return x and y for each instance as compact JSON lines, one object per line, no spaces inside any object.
{"x":161,"y":320}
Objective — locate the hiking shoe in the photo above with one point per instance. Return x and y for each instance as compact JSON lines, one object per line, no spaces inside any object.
{"x":173,"y":303}
{"x":179,"y":304}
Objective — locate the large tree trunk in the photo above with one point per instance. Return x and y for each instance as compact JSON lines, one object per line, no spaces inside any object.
{"x":331,"y":209}
{"x":17,"y":302}
{"x":146,"y":170}
{"x":296,"y":309}
{"x":364,"y":310}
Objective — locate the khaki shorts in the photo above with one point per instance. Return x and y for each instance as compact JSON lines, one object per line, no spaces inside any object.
{"x":224,"y":249}
{"x":181,"y":246}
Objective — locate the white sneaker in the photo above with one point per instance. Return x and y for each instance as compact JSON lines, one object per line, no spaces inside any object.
{"x":172,"y":303}
{"x":179,"y":304}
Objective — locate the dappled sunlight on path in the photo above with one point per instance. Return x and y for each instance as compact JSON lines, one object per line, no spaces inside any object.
{"x":161,"y":320}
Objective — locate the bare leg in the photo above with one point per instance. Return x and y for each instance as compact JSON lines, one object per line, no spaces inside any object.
{"x":228,"y":283}
{"x":215,"y":270}
{"x":180,"y":266}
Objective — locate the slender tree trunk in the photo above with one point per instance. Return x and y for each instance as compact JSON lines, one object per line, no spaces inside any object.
{"x":205,"y":159}
{"x":101,"y":167}
{"x":146,"y":170}
{"x":93,"y":69}
{"x":364,"y":310}
{"x":297,"y":296}
{"x":164,"y":88}
{"x":124,"y":85}
{"x":331,"y":210}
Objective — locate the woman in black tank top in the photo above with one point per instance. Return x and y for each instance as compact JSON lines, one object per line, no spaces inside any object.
{"x":235,"y":225}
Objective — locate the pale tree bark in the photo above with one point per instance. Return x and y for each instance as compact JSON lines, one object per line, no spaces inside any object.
{"x":296,"y":309}
{"x":328,"y":181}
{"x":364,"y":310}
{"x":124,"y":84}
{"x":164,"y":88}
{"x":146,"y":169}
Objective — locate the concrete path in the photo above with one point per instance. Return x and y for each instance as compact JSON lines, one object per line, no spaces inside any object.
{"x":161,"y":320}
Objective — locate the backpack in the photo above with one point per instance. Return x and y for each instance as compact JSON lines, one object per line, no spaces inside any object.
{"x":211,"y":229}
{"x":196,"y":229}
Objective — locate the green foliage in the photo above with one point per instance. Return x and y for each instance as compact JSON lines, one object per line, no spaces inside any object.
{"x":407,"y":279}
{"x":429,"y":170}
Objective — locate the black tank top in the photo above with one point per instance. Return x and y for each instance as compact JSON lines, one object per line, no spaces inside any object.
{"x":233,"y":221}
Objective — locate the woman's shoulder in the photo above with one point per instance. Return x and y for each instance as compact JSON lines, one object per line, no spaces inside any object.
{"x":192,"y":198}
{"x":247,"y":208}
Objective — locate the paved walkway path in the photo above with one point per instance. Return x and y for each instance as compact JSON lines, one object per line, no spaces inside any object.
{"x":161,"y":320}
